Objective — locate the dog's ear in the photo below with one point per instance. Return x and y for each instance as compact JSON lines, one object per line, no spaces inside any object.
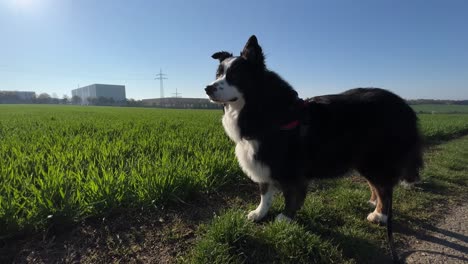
{"x":253,"y":52}
{"x":222,"y":55}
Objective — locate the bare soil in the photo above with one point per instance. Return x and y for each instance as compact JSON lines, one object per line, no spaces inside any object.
{"x":444,"y":242}
{"x":158,"y":236}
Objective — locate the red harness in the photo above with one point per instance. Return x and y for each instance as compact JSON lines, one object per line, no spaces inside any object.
{"x":290,"y":125}
{"x":295,"y":123}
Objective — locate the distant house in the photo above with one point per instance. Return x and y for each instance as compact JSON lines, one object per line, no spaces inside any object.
{"x":17,"y":96}
{"x":100,"y":94}
{"x":176,"y":102}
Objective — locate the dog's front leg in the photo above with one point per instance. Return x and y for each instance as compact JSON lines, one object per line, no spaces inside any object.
{"x":267,"y":191}
{"x":294,"y":199}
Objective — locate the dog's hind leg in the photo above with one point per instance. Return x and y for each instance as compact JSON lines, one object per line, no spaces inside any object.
{"x":373,"y":198}
{"x":383,"y":214}
{"x":294,"y":197}
{"x":384,"y":193}
{"x":267,"y":191}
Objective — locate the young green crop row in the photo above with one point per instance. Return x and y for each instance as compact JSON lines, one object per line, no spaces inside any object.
{"x":60,"y":164}
{"x":440,"y":108}
{"x":443,"y":127}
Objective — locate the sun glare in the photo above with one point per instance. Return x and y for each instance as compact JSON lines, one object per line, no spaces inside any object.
{"x":24,"y":4}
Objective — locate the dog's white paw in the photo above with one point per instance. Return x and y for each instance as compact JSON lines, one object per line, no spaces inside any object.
{"x":373,"y":203}
{"x":376,"y":217}
{"x":282,"y":218}
{"x":255,"y":216}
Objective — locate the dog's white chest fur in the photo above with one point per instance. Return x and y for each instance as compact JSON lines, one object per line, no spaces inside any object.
{"x":245,"y":149}
{"x":230,"y":123}
{"x":256,"y":170}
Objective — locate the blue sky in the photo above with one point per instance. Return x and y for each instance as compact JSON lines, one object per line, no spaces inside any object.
{"x":417,"y":48}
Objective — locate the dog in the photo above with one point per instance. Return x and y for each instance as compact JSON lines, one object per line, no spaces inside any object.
{"x":284,"y":142}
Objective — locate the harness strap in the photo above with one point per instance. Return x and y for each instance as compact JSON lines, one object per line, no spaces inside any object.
{"x":290,"y":125}
{"x":295,"y":123}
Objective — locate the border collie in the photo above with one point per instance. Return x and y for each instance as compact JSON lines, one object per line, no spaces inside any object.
{"x":283,"y":142}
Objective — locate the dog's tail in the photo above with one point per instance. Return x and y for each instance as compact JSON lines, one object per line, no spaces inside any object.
{"x":391,"y":244}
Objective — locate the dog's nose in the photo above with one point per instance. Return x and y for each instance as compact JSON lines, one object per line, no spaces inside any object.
{"x":210,"y":89}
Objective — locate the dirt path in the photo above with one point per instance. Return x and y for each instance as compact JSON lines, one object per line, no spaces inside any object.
{"x":446,"y":242}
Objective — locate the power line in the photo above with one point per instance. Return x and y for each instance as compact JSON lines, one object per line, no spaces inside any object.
{"x":161,"y":76}
{"x":176,"y":94}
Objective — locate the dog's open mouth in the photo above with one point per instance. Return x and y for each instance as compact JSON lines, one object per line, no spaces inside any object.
{"x":222,"y":102}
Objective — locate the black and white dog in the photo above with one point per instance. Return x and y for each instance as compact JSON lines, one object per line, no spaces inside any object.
{"x":282,"y":142}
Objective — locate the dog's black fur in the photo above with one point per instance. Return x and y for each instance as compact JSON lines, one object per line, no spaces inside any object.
{"x":370,"y":130}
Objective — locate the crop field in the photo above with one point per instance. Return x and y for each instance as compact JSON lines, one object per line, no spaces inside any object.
{"x":441,"y":109}
{"x":443,"y":126}
{"x":62,"y":164}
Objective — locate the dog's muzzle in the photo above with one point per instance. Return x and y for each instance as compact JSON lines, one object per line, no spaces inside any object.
{"x":210,"y":89}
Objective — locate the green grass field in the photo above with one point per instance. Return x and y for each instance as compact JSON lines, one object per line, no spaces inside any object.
{"x":442,"y":127}
{"x":440,"y":109}
{"x":62,"y":164}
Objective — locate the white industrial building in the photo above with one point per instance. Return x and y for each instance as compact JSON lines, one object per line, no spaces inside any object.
{"x":96,"y":91}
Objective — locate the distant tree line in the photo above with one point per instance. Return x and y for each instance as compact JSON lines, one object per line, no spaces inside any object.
{"x":7,"y":97}
{"x":134,"y":103}
{"x":437,"y":102}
